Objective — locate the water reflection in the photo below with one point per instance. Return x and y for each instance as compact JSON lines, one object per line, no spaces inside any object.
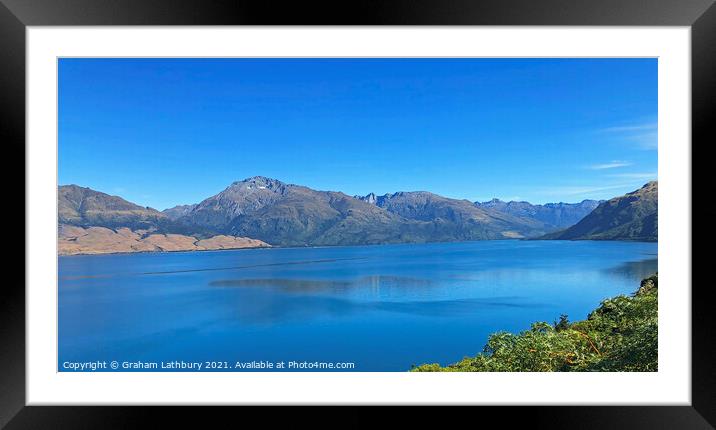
{"x":636,"y":270}
{"x":257,"y":308}
{"x":451,"y":308}
{"x":302,"y":285}
{"x":373,"y":282}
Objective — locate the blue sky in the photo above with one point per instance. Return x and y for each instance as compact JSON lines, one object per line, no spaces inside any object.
{"x":162,"y":132}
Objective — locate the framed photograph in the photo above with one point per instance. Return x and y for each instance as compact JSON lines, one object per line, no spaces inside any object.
{"x":416,"y":205}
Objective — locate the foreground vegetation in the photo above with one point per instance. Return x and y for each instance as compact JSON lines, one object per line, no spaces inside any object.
{"x":619,"y":336}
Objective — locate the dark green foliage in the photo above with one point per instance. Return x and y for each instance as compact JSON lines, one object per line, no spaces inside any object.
{"x":621,"y":335}
{"x":562,"y":324}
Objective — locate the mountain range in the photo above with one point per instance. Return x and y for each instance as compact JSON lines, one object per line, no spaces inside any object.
{"x":92,"y":222}
{"x":550,"y":216}
{"x":261,"y":211}
{"x":633,"y":216}
{"x":294,"y":215}
{"x":85,"y":207}
{"x":553,"y":215}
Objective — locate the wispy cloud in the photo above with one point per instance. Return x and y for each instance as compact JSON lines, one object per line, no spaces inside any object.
{"x":644,"y":135}
{"x":631,"y":128}
{"x":645,"y":140}
{"x":611,"y":165}
{"x":584,"y":190}
{"x":644,"y":176}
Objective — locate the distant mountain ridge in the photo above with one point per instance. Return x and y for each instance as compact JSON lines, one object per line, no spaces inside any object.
{"x":92,"y":222}
{"x":633,"y":216}
{"x":295,"y":215}
{"x":178,"y":211}
{"x":84,"y":207}
{"x":261,"y":211}
{"x":548,"y":217}
{"x":553,"y":215}
{"x":426,"y":206}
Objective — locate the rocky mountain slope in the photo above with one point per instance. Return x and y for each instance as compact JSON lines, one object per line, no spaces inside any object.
{"x":633,"y":216}
{"x":92,"y":222}
{"x":553,"y":215}
{"x":261,"y":211}
{"x":178,"y":211}
{"x":294,"y":215}
{"x":459,"y":216}
{"x":81,"y":206}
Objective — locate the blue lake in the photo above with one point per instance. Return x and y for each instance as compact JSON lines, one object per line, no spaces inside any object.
{"x":382,"y":308}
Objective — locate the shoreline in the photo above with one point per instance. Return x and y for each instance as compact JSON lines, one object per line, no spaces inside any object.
{"x":84,"y":254}
{"x":349,"y":246}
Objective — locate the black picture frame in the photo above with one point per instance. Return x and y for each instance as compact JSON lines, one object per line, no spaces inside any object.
{"x":699,"y":15}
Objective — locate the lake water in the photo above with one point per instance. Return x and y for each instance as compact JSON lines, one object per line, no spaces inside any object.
{"x":382,"y":308}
